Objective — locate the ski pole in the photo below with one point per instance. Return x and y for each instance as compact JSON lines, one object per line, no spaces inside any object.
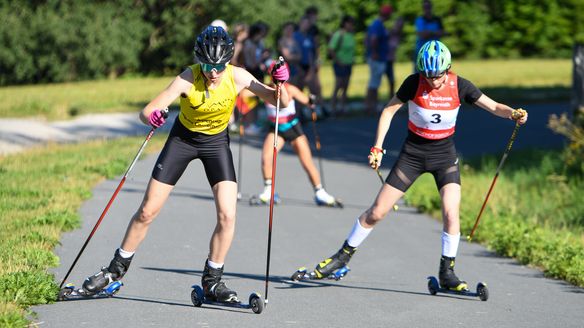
{"x":395,"y":206}
{"x":317,"y":144}
{"x":274,"y":156}
{"x":240,"y":159}
{"x":509,"y":145}
{"x":115,"y":194}
{"x":380,"y":176}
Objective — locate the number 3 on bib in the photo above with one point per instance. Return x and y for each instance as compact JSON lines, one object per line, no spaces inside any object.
{"x":436,"y":119}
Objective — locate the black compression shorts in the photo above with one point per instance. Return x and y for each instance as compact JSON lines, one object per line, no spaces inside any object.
{"x":291,"y":134}
{"x":183,"y":146}
{"x":420,"y":155}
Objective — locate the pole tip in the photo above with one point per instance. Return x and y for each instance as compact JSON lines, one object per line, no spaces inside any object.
{"x":469,"y":238}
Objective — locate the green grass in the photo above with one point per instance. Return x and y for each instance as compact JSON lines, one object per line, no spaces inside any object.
{"x":534,"y":214}
{"x":504,"y":80}
{"x":41,"y":192}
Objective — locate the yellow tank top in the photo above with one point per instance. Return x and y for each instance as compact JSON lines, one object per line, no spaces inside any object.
{"x":208,"y":111}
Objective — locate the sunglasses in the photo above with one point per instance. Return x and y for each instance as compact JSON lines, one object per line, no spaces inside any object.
{"x":209,"y":67}
{"x":434,"y":77}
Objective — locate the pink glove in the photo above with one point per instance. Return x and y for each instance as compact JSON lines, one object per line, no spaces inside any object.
{"x":157,"y":118}
{"x":280,"y":74}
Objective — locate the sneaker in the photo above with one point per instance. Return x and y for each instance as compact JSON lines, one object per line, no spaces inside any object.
{"x":323,"y":198}
{"x":265,"y":196}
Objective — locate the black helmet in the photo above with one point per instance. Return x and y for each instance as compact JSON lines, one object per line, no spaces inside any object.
{"x":214,"y":46}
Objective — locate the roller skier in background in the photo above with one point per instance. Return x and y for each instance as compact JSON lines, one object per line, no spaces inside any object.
{"x":290,"y":130}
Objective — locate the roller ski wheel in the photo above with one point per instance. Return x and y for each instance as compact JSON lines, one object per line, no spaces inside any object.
{"x":255,"y":200}
{"x":482,"y":292}
{"x":303,"y":274}
{"x":69,"y":292}
{"x":336,"y":204}
{"x":256,"y":304}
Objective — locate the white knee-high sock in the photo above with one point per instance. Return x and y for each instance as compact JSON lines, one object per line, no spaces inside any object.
{"x":450,"y":244}
{"x":358,"y":234}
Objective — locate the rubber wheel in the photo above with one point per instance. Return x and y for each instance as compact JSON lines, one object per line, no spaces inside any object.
{"x":483,"y":292}
{"x":433,"y":285}
{"x":297,"y":276}
{"x":114,"y":292}
{"x":256,"y":303}
{"x":197,"y":296}
{"x":63,"y":293}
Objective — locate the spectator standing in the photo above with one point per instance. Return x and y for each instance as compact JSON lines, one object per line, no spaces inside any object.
{"x":307,"y":63}
{"x":313,"y":80}
{"x":376,"y":44}
{"x":289,"y":48}
{"x":428,"y":27}
{"x":341,"y":49}
{"x":240,"y":33}
{"x":395,"y":35}
{"x":254,"y":56}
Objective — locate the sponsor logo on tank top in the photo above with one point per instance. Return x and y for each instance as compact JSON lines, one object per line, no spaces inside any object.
{"x":432,"y":113}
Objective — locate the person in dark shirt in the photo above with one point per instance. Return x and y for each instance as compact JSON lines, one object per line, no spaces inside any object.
{"x":376,"y":50}
{"x":433,"y":96}
{"x":428,"y":27}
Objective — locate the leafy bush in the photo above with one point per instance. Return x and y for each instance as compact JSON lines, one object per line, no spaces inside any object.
{"x":535,"y":213}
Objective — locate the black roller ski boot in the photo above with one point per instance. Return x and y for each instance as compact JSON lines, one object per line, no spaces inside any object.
{"x":339,"y":260}
{"x":116,"y":271}
{"x":215,"y":289}
{"x":449,"y":280}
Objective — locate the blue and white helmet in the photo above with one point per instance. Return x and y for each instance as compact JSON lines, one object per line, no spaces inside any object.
{"x":433,"y":59}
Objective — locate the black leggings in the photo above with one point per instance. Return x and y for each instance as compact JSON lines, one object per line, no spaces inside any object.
{"x":420,"y":155}
{"x":183,"y":146}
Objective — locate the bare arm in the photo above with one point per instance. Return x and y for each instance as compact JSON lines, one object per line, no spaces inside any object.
{"x":244,"y":80}
{"x":181,"y":84}
{"x":498,"y":109}
{"x":295,"y":93}
{"x":385,"y":120}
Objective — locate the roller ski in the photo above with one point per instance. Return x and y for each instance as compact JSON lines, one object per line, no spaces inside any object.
{"x":323,"y":198}
{"x":256,"y":304}
{"x":69,"y":292}
{"x":262,"y":199}
{"x":334,"y":267}
{"x":105,"y":283}
{"x":448,"y":282}
{"x":303,"y":274}
{"x":214,"y":292}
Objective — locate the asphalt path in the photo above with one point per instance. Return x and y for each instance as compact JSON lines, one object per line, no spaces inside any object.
{"x":387,"y":286}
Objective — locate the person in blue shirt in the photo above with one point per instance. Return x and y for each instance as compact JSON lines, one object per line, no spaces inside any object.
{"x":428,"y":27}
{"x":376,"y":49}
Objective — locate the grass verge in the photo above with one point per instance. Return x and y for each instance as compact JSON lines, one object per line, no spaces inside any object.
{"x":534,"y":214}
{"x":41,"y":192}
{"x":510,"y":81}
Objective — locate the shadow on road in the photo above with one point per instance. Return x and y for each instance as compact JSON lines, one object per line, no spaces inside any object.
{"x":299,"y":285}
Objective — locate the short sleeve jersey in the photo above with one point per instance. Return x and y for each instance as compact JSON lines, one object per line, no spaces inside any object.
{"x":424,"y":24}
{"x":208,"y":110}
{"x":343,"y":44}
{"x":432,"y":113}
{"x":307,"y":47}
{"x":378,"y":30}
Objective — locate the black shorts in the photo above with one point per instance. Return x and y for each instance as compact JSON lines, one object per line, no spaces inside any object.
{"x":290,"y":134}
{"x":183,"y":146}
{"x":420,"y":155}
